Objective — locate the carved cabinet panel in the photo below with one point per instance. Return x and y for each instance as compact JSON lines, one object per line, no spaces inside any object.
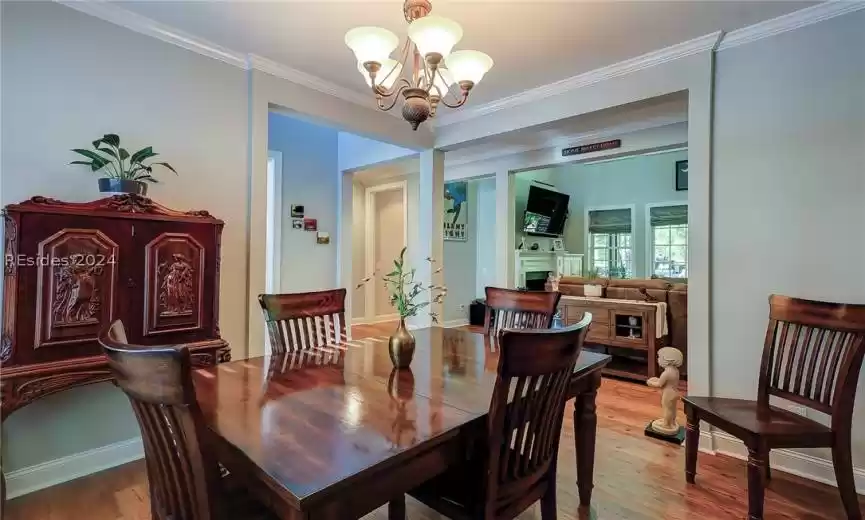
{"x":176,"y":301}
{"x":77,"y":292}
{"x":174,"y":278}
{"x":68,"y":273}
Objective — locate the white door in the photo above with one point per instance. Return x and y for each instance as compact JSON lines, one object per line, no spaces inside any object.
{"x":388,"y":243}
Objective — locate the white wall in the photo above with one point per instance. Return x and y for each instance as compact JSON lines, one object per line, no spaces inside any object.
{"x":789,"y":186}
{"x":460,"y":261}
{"x":310,"y":176}
{"x":68,"y":78}
{"x":485,"y":273}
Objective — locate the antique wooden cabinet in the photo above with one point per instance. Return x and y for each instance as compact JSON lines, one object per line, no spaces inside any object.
{"x":73,"y":268}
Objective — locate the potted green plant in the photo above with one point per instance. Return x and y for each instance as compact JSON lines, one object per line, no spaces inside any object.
{"x":124,"y":172}
{"x":404,"y":290}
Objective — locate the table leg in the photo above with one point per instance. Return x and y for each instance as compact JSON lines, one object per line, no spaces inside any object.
{"x":396,"y":508}
{"x":585,"y":432}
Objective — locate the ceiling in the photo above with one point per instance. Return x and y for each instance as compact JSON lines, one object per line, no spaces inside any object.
{"x":533,"y":43}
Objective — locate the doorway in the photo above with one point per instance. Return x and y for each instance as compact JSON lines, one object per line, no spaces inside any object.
{"x":386,"y":235}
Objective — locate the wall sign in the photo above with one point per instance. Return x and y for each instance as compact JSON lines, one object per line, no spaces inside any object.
{"x":589,"y":148}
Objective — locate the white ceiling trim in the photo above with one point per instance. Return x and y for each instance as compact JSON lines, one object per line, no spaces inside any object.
{"x":716,"y":41}
{"x":111,"y":12}
{"x":674,"y":52}
{"x":788,"y":22}
{"x":308,"y":80}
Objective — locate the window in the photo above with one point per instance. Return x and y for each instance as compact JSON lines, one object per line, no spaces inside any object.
{"x":669,"y":241}
{"x":611,"y":244}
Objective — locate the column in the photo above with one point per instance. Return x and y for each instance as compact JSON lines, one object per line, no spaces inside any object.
{"x":505,"y":229}
{"x":429,"y":223}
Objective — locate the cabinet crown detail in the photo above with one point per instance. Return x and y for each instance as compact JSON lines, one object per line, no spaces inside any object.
{"x":129,"y":204}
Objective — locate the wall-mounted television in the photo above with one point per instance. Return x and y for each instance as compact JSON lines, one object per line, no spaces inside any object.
{"x":546,"y":212}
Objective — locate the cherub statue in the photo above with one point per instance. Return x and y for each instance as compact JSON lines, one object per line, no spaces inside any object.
{"x":670,"y":359}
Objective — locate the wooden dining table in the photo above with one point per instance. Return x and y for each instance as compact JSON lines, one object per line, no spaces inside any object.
{"x":335,"y":432}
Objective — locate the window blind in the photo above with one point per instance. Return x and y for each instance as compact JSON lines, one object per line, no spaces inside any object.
{"x":610,"y":221}
{"x":668,"y":215}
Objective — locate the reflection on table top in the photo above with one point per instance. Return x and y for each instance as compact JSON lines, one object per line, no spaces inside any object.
{"x":314,"y":418}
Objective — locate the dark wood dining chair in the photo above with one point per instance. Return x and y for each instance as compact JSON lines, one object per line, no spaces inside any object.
{"x":301,"y":321}
{"x":183,"y":475}
{"x":515,"y":464}
{"x":512,"y":309}
{"x":812,"y":356}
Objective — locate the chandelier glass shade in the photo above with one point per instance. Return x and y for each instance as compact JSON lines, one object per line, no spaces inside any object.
{"x":434,"y":73}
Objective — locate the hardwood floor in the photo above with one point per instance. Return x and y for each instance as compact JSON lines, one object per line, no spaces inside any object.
{"x":635,"y":477}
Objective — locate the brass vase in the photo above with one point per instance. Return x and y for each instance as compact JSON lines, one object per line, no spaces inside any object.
{"x":401,"y":346}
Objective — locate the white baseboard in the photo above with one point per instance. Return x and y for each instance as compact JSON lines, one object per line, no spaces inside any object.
{"x":27,"y":480}
{"x":788,"y":461}
{"x":451,"y":324}
{"x":375,"y":319}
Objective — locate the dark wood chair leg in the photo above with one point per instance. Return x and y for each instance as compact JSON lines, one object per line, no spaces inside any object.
{"x":768,"y":468}
{"x":548,"y":501}
{"x":756,"y":483}
{"x":692,"y":443}
{"x":396,"y":508}
{"x":843,"y":461}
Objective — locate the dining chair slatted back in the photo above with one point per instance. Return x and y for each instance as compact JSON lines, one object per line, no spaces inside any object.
{"x":526,"y":413}
{"x":512,"y":309}
{"x":813,"y":354}
{"x":182,"y":473}
{"x":302,"y":321}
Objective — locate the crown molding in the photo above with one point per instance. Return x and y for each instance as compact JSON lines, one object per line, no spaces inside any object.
{"x":788,"y":22}
{"x":293,"y":75}
{"x":111,"y":12}
{"x":673,"y":52}
{"x":717,"y":41}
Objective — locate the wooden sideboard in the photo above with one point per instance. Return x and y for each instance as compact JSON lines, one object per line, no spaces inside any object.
{"x":625,"y":329}
{"x":73,"y":268}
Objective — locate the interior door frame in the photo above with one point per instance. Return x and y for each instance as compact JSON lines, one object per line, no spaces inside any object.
{"x":369,"y":237}
{"x":273,"y":240}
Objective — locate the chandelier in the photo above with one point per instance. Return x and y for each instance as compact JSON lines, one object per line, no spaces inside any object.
{"x":436,"y":72}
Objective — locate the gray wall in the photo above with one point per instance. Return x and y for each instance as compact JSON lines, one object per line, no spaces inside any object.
{"x":310,"y":176}
{"x":789,"y":186}
{"x":460,"y":263}
{"x":68,"y":78}
{"x":637,"y":180}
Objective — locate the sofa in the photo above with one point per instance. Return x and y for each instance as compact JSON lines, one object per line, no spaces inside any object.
{"x":675,"y":295}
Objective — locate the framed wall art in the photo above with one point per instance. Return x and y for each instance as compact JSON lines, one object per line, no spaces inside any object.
{"x":456,"y":211}
{"x":682,"y":175}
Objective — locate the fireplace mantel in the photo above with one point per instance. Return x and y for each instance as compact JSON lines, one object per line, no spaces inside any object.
{"x":559,"y":263}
